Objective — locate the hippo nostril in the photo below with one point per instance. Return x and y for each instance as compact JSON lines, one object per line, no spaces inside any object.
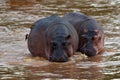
{"x":51,"y":59}
{"x":82,"y":51}
{"x":90,"y":53}
{"x":64,"y":58}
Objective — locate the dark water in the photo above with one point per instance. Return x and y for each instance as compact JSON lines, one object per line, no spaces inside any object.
{"x":16,"y":63}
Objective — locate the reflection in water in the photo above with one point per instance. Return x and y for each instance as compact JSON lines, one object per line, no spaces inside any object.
{"x":17,"y":63}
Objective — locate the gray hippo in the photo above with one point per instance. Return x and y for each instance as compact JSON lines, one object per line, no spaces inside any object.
{"x":91,"y":35}
{"x":53,"y":38}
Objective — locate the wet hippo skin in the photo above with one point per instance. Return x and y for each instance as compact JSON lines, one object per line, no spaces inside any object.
{"x":53,"y":38}
{"x":91,"y":35}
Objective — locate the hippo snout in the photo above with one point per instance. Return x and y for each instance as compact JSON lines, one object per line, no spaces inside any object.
{"x":54,"y":58}
{"x":89,"y":52}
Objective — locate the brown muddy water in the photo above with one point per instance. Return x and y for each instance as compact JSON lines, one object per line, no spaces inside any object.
{"x":16,"y":63}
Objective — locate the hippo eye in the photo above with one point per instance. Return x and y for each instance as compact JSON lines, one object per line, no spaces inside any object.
{"x":54,"y":45}
{"x":65,"y":44}
{"x":84,"y":39}
{"x":93,"y":38}
{"x":99,"y":38}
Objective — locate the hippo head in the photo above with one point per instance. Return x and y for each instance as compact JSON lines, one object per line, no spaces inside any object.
{"x":61,"y":49}
{"x":91,"y":42}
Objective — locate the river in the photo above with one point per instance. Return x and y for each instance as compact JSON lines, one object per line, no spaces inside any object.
{"x":16,"y":62}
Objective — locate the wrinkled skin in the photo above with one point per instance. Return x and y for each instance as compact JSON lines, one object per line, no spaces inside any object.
{"x":61,"y":49}
{"x":91,"y":36}
{"x":52,"y":38}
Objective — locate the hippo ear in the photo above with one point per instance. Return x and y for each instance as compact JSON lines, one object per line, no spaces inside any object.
{"x":97,"y":31}
{"x":68,"y":37}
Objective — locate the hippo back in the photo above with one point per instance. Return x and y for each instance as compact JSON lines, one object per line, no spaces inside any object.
{"x":79,"y":20}
{"x":42,"y":32}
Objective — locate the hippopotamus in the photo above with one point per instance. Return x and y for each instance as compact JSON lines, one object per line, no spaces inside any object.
{"x":91,"y":35}
{"x":53,"y":38}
